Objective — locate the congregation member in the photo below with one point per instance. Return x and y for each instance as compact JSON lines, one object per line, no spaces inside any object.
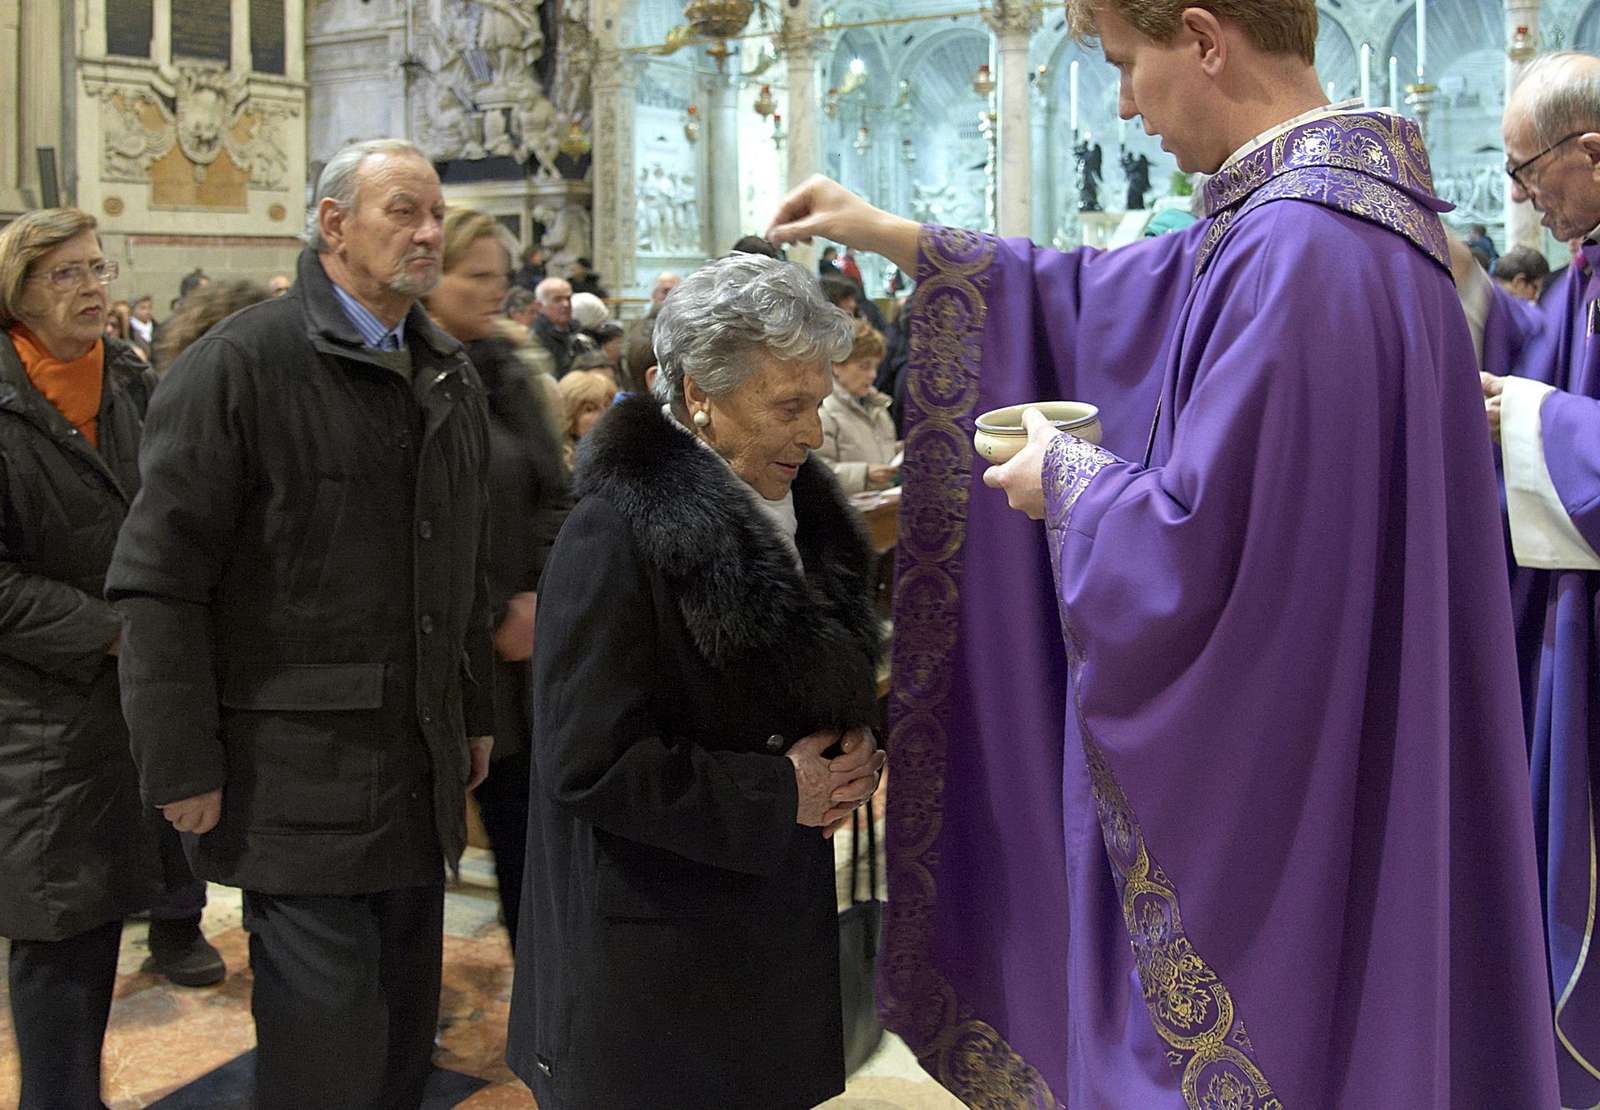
{"x":583,"y":279}
{"x":307,"y":662}
{"x":142,"y":325}
{"x":858,"y":436}
{"x":553,"y":327}
{"x":1284,"y":653}
{"x":522,"y":306}
{"x":532,"y":271}
{"x":179,"y":950}
{"x":703,"y":678}
{"x":585,"y":397}
{"x":1522,"y":272}
{"x":665,"y":283}
{"x":1542,"y":393}
{"x":529,"y":499}
{"x":78,"y":852}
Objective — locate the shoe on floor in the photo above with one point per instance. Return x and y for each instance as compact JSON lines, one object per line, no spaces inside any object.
{"x":187,"y":959}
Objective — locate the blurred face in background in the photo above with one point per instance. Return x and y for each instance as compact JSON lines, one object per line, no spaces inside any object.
{"x":856,"y":377}
{"x":467,"y":301}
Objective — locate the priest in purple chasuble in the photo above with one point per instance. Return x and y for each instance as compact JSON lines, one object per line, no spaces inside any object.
{"x":1546,"y":416}
{"x":1211,"y":792}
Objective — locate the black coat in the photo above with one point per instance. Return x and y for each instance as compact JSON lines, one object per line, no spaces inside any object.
{"x":302,"y":578}
{"x":529,"y":499}
{"x":76,"y":848}
{"x":680,"y":942}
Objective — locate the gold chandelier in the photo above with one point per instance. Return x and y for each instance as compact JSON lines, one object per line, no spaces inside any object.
{"x":718,"y":19}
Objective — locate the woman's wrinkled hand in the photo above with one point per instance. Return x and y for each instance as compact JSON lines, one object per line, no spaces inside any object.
{"x":860,"y":764}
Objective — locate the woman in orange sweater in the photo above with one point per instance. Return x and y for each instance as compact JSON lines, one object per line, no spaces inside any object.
{"x":76,"y":851}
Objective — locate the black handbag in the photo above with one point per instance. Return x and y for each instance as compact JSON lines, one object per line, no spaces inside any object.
{"x":860,"y":927}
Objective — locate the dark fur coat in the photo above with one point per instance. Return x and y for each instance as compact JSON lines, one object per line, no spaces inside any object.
{"x":679,"y":932}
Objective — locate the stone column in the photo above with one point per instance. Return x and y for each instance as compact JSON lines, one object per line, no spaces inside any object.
{"x":1522,"y":222}
{"x":294,"y":39}
{"x":1041,"y":215}
{"x":1013,"y":23}
{"x":10,"y":106}
{"x":720,"y":193}
{"x":802,"y":115}
{"x":611,"y":165}
{"x":240,"y":51}
{"x":161,"y":32}
{"x":799,"y":39}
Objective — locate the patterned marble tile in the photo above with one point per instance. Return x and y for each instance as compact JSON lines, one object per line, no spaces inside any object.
{"x":162,"y":1037}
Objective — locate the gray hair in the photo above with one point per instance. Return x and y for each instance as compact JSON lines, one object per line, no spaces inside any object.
{"x":518,"y":299}
{"x":734,"y":308}
{"x":339,"y":180}
{"x":1563,"y":91}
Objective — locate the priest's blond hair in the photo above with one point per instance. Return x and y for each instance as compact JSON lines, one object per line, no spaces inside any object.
{"x":1275,"y":26}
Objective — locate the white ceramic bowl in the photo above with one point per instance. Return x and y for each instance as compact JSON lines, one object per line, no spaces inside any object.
{"x":1001,"y":435}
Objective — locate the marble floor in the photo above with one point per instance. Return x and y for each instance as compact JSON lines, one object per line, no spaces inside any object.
{"x":164,"y":1037}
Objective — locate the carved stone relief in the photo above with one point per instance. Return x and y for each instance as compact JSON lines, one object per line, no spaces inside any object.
{"x":480,"y":96}
{"x":205,"y":112}
{"x":668,"y":214}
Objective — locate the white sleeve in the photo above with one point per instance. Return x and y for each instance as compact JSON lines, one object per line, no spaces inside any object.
{"x":1543,"y":536}
{"x":1476,"y":293}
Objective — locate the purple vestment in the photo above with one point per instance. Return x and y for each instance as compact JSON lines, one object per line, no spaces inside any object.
{"x":1290,"y":796}
{"x":1558,"y":621}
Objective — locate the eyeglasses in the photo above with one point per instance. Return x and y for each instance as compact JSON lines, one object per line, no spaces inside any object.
{"x":72,"y":275}
{"x":1515,"y":172}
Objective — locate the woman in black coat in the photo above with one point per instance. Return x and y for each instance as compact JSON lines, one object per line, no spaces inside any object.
{"x":77,"y":852}
{"x":703,"y":678}
{"x":529,"y":498}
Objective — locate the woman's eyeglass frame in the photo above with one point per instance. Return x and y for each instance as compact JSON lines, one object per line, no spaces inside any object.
{"x":71,"y":276}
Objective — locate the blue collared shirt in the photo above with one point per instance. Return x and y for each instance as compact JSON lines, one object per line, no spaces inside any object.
{"x":373,"y":332}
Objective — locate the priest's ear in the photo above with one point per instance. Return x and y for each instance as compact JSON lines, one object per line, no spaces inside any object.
{"x":1203,"y":32}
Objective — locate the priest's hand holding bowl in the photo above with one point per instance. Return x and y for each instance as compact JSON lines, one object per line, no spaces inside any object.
{"x":1022,"y":478}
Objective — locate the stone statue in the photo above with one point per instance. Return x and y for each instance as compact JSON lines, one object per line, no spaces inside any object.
{"x":568,"y":233}
{"x":1137,"y":167}
{"x":538,"y":133}
{"x":1088,"y":156}
{"x":574,"y":62}
{"x":509,"y":34}
{"x":129,"y":147}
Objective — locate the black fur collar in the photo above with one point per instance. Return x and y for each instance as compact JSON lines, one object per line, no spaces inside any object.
{"x":730,"y":570}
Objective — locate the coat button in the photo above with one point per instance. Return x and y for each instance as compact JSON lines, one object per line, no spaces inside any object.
{"x":427,"y":716}
{"x":774,"y":743}
{"x":426,"y":624}
{"x":425,"y":529}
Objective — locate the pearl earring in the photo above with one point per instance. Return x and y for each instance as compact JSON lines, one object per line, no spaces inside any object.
{"x":702,"y":419}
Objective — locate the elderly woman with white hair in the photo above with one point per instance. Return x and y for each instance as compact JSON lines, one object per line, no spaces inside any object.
{"x":703,"y":679}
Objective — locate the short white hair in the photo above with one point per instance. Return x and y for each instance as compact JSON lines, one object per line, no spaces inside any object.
{"x":547,"y":288}
{"x":340,"y":181}
{"x":1563,"y":90}
{"x":589,"y":310}
{"x":737,"y":307}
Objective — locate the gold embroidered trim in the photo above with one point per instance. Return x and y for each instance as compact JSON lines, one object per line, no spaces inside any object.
{"x":968,"y":1056}
{"x":1190,"y":1007}
{"x":1582,"y":961}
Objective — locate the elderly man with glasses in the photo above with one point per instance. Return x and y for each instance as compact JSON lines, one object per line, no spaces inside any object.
{"x":1541,"y":383}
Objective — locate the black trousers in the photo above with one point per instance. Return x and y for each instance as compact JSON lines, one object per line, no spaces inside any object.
{"x":60,"y":1001}
{"x":346,"y":997}
{"x":503,"y":804}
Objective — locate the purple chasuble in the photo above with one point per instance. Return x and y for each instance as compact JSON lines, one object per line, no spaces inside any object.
{"x":1288,"y":859}
{"x":1560,"y":660}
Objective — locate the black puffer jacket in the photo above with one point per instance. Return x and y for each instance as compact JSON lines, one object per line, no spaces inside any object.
{"x":530,"y":497}
{"x":307,"y":617}
{"x":76,"y":848}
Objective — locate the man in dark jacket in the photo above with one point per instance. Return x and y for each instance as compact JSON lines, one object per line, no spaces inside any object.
{"x":307,"y":644}
{"x":553,"y":326}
